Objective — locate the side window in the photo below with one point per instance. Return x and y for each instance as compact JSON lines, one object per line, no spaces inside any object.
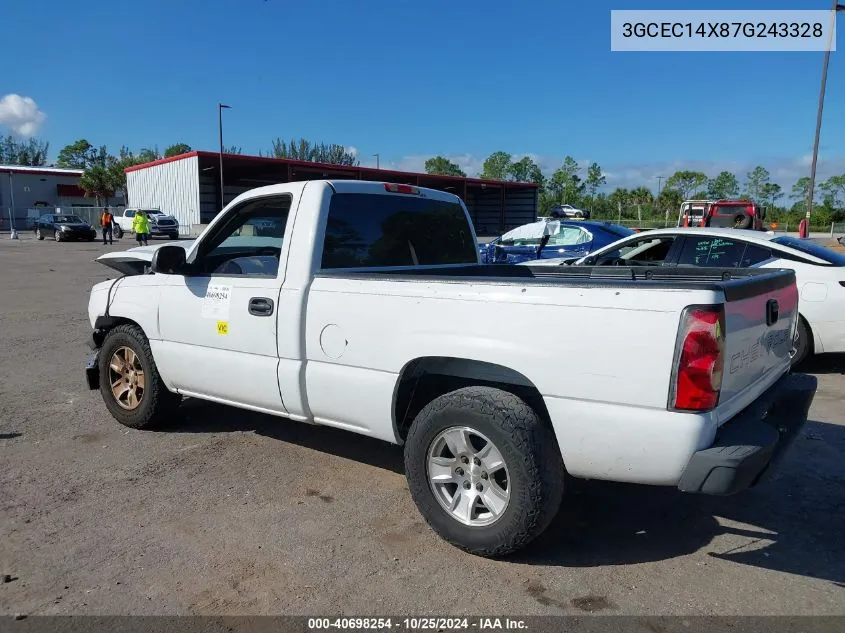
{"x":249,"y":241}
{"x":129,"y":213}
{"x":649,"y":250}
{"x":568,"y":236}
{"x":755,"y":254}
{"x":375,"y":230}
{"x":711,"y":251}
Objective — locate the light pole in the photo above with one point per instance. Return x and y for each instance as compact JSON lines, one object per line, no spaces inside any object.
{"x":220,"y":107}
{"x":836,"y":7}
{"x":377,"y":161}
{"x":656,"y":200}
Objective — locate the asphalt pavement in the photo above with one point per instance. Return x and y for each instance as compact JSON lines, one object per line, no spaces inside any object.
{"x":231,"y":512}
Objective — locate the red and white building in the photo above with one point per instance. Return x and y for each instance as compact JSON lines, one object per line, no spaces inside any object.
{"x":188,"y":187}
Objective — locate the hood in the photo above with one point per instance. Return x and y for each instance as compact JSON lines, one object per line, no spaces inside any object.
{"x":74,"y":225}
{"x":154,"y":217}
{"x":134,"y":261}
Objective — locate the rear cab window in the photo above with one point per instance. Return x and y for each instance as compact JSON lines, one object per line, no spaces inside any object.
{"x":365,"y":230}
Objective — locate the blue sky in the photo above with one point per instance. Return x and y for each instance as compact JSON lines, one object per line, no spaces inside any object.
{"x":411,"y":80}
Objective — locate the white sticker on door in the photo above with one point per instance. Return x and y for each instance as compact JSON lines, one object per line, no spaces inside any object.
{"x":216,"y":303}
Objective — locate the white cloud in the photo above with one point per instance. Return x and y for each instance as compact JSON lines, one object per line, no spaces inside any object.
{"x":352,"y":150}
{"x":21,"y":115}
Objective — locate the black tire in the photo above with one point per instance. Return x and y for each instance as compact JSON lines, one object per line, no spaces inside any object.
{"x":742,"y":221}
{"x":156,"y":403}
{"x":579,"y":215}
{"x":57,"y":235}
{"x":530,"y":452}
{"x":173,"y":236}
{"x":39,"y":234}
{"x":803,"y":342}
{"x":118,"y":232}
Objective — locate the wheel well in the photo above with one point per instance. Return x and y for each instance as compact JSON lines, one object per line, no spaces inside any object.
{"x":811,"y":341}
{"x":105,"y":324}
{"x":424,"y":379}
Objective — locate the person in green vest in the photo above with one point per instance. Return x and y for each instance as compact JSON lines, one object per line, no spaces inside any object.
{"x":141,"y":227}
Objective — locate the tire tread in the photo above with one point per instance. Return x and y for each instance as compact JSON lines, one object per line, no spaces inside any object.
{"x":158,"y":402}
{"x":535,"y":443}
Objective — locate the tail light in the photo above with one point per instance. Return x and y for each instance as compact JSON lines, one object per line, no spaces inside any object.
{"x":700,"y":359}
{"x":393,"y":188}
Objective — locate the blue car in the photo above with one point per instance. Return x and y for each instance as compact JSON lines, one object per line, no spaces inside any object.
{"x":547,"y":239}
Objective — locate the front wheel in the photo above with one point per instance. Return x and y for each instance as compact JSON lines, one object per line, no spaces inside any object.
{"x":57,"y":235}
{"x":129,"y":380}
{"x":484,"y":470}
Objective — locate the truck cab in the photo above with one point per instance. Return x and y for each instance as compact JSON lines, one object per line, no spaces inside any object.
{"x":737,"y":214}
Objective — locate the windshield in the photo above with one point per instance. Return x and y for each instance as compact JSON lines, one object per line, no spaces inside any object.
{"x":69,"y":219}
{"x":811,"y":248}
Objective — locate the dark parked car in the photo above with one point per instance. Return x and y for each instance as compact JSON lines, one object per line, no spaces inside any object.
{"x":548,"y":239}
{"x":61,"y":228}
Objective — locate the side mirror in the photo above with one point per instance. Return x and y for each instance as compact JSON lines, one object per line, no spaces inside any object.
{"x":168,"y":260}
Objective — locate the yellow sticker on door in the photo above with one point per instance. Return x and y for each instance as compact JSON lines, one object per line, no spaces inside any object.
{"x":222,"y":327}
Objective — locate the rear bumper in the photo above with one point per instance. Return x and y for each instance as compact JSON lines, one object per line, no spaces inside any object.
{"x":746,"y":447}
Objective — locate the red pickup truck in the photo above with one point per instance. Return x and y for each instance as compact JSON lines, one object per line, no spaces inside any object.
{"x":738,"y":214}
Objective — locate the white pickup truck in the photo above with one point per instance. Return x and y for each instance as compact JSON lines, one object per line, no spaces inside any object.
{"x":160,"y":222}
{"x":362,"y":306}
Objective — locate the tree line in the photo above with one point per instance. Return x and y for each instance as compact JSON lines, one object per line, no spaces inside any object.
{"x":104,"y":175}
{"x":566,"y":186}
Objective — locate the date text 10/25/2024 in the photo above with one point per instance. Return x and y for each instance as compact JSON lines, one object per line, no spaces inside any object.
{"x":417,"y":624}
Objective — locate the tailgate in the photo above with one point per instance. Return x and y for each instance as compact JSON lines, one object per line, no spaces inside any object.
{"x":760,"y":320}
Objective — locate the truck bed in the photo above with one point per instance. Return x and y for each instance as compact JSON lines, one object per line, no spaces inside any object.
{"x":736,"y":283}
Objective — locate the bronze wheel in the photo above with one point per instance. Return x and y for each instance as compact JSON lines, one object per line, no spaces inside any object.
{"x":126,"y":378}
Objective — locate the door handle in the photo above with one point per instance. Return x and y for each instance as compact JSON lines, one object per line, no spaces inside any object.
{"x":260,"y":306}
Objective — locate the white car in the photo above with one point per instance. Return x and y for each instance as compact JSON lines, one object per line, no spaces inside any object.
{"x":819,"y":271}
{"x":363,"y":306}
{"x":568,"y":211}
{"x":160,"y":222}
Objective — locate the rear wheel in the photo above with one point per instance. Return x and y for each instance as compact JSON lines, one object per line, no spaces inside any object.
{"x":39,"y":233}
{"x":129,"y":380}
{"x":484,"y":470}
{"x":803,"y":344}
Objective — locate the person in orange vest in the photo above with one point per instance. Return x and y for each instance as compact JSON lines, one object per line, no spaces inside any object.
{"x":107,"y":222}
{"x":803,"y":228}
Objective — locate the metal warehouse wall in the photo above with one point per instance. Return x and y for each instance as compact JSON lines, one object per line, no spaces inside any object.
{"x":485,"y":209}
{"x":209,"y":185}
{"x":31,"y":190}
{"x":173,"y":187}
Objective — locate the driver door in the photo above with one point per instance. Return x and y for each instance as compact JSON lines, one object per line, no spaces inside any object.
{"x":218,"y":321}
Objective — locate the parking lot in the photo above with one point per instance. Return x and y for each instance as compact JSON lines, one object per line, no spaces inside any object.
{"x":231,"y":512}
